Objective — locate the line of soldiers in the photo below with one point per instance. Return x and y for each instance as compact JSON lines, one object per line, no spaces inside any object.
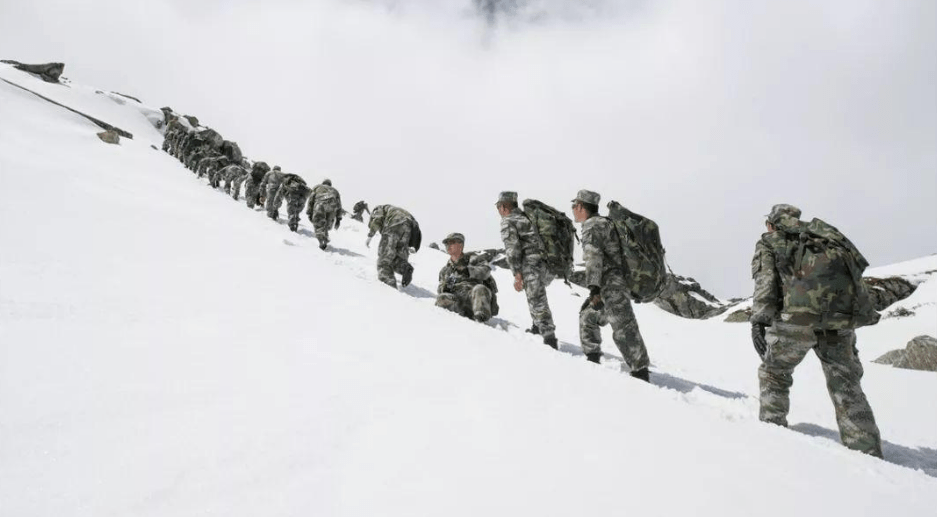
{"x":466,"y":286}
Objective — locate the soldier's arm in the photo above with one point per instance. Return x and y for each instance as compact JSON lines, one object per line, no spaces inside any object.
{"x":766,"y":300}
{"x":376,"y":222}
{"x":592,"y":256}
{"x":441,"y":288}
{"x":310,"y":205}
{"x":478,"y":269}
{"x":512,"y":246}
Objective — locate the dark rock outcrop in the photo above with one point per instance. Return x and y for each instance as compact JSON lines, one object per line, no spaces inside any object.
{"x":48,"y":72}
{"x":920,"y":354}
{"x":886,"y":291}
{"x":739,"y":316}
{"x":684,"y":297}
{"x":109,"y":137}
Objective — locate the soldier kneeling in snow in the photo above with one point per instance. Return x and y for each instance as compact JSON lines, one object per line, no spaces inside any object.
{"x":465,"y":283}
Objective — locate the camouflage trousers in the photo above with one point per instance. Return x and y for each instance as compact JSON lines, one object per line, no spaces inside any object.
{"x":393,"y":254}
{"x":787,"y":347}
{"x":323,"y":218}
{"x":294,"y":208}
{"x":536,"y":280}
{"x":233,"y":184}
{"x":273,"y":208}
{"x":252,"y":193}
{"x":618,"y":313}
{"x":471,"y":301}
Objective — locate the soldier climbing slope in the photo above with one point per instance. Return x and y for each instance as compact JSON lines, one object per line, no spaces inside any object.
{"x":399,"y":231}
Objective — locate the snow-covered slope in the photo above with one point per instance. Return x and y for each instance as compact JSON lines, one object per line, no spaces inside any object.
{"x":166,"y":351}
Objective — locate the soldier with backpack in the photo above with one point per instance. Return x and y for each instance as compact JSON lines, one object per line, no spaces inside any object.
{"x":324,"y":211}
{"x":524,"y":251}
{"x":269,"y":186}
{"x":253,"y":191}
{"x":609,"y":292}
{"x":399,"y":233}
{"x":294,"y":191}
{"x":809,"y":295}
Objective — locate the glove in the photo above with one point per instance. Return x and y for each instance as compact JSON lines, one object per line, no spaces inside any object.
{"x":368,"y":242}
{"x":758,"y":339}
{"x":338,"y":221}
{"x":595,"y":298}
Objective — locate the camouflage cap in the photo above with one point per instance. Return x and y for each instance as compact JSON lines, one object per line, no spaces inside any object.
{"x":783,"y":209}
{"x":327,"y":182}
{"x":454,"y":237}
{"x":276,"y":167}
{"x":587,"y":196}
{"x":507,"y":197}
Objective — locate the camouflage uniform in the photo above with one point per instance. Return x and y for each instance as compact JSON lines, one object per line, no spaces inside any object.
{"x":788,"y":344}
{"x":324,"y":210}
{"x":214,"y":167}
{"x":523,"y":251}
{"x":252,"y":189}
{"x":358,"y":211}
{"x":294,"y":191}
{"x":393,"y":253}
{"x":233,"y":176}
{"x":602,"y":255}
{"x":464,"y":285}
{"x":268,"y":187}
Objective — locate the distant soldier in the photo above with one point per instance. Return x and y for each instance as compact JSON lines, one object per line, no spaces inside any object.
{"x":252,"y":192}
{"x":294,"y":191}
{"x":358,"y":211}
{"x":268,"y":188}
{"x":608,"y":302}
{"x":233,"y":176}
{"x":324,"y":211}
{"x":809,"y":295}
{"x":465,"y":283}
{"x":523,"y":250}
{"x":398,"y":230}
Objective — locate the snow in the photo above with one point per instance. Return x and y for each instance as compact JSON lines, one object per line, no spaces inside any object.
{"x":166,"y":351}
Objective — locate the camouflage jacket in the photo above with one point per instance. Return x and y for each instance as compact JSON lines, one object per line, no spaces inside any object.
{"x":271,"y":179}
{"x":385,"y":217}
{"x":322,"y":192}
{"x":766,"y":302}
{"x":601,"y":250}
{"x":470,"y":269}
{"x":292,"y":185}
{"x":521,"y":241}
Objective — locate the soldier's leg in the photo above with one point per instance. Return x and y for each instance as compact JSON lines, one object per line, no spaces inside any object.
{"x":386,"y":258}
{"x":481,"y":303}
{"x":843,"y":373}
{"x":449,"y":301}
{"x":294,"y":207}
{"x":320,"y":223}
{"x":537,"y":301}
{"x":625,"y":331}
{"x":787,"y":346}
{"x":273,"y":207}
{"x":252,"y":193}
{"x":402,"y":262}
{"x":591,"y":322}
{"x":236,"y":186}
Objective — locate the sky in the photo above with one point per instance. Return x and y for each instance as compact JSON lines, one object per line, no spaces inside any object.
{"x":698,"y":115}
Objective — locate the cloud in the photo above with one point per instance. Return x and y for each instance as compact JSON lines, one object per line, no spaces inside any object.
{"x":700,"y":116}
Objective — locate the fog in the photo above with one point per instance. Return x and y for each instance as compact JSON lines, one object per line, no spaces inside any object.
{"x":698,"y":115}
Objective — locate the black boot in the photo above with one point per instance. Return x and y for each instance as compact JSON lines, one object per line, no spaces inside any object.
{"x":407,"y":276}
{"x":534,"y":329}
{"x":551,"y":342}
{"x":594,"y":357}
{"x":642,"y":374}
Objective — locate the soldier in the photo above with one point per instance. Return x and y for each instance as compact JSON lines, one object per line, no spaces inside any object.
{"x":233,"y":176}
{"x":465,"y":283}
{"x":324,"y":211}
{"x":294,"y":191}
{"x":252,"y":192}
{"x":782,"y":339}
{"x":358,"y":211}
{"x":608,"y":302}
{"x":523,"y":250}
{"x":268,"y":188}
{"x":393,"y":253}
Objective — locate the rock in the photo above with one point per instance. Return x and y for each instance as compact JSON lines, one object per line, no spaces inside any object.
{"x":739,"y":316}
{"x":900,"y":312}
{"x":192,"y":120}
{"x":434,"y":246}
{"x":48,"y":72}
{"x":684,"y":297}
{"x":109,"y":136}
{"x":886,"y":291}
{"x":920,"y":354}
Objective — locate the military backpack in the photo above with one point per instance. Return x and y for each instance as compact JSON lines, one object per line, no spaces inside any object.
{"x":556,"y":232}
{"x":642,"y":253}
{"x":821,"y":276}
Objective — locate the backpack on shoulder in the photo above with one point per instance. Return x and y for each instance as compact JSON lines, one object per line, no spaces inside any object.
{"x":821,"y":277}
{"x":556,"y":232}
{"x":642,"y":253}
